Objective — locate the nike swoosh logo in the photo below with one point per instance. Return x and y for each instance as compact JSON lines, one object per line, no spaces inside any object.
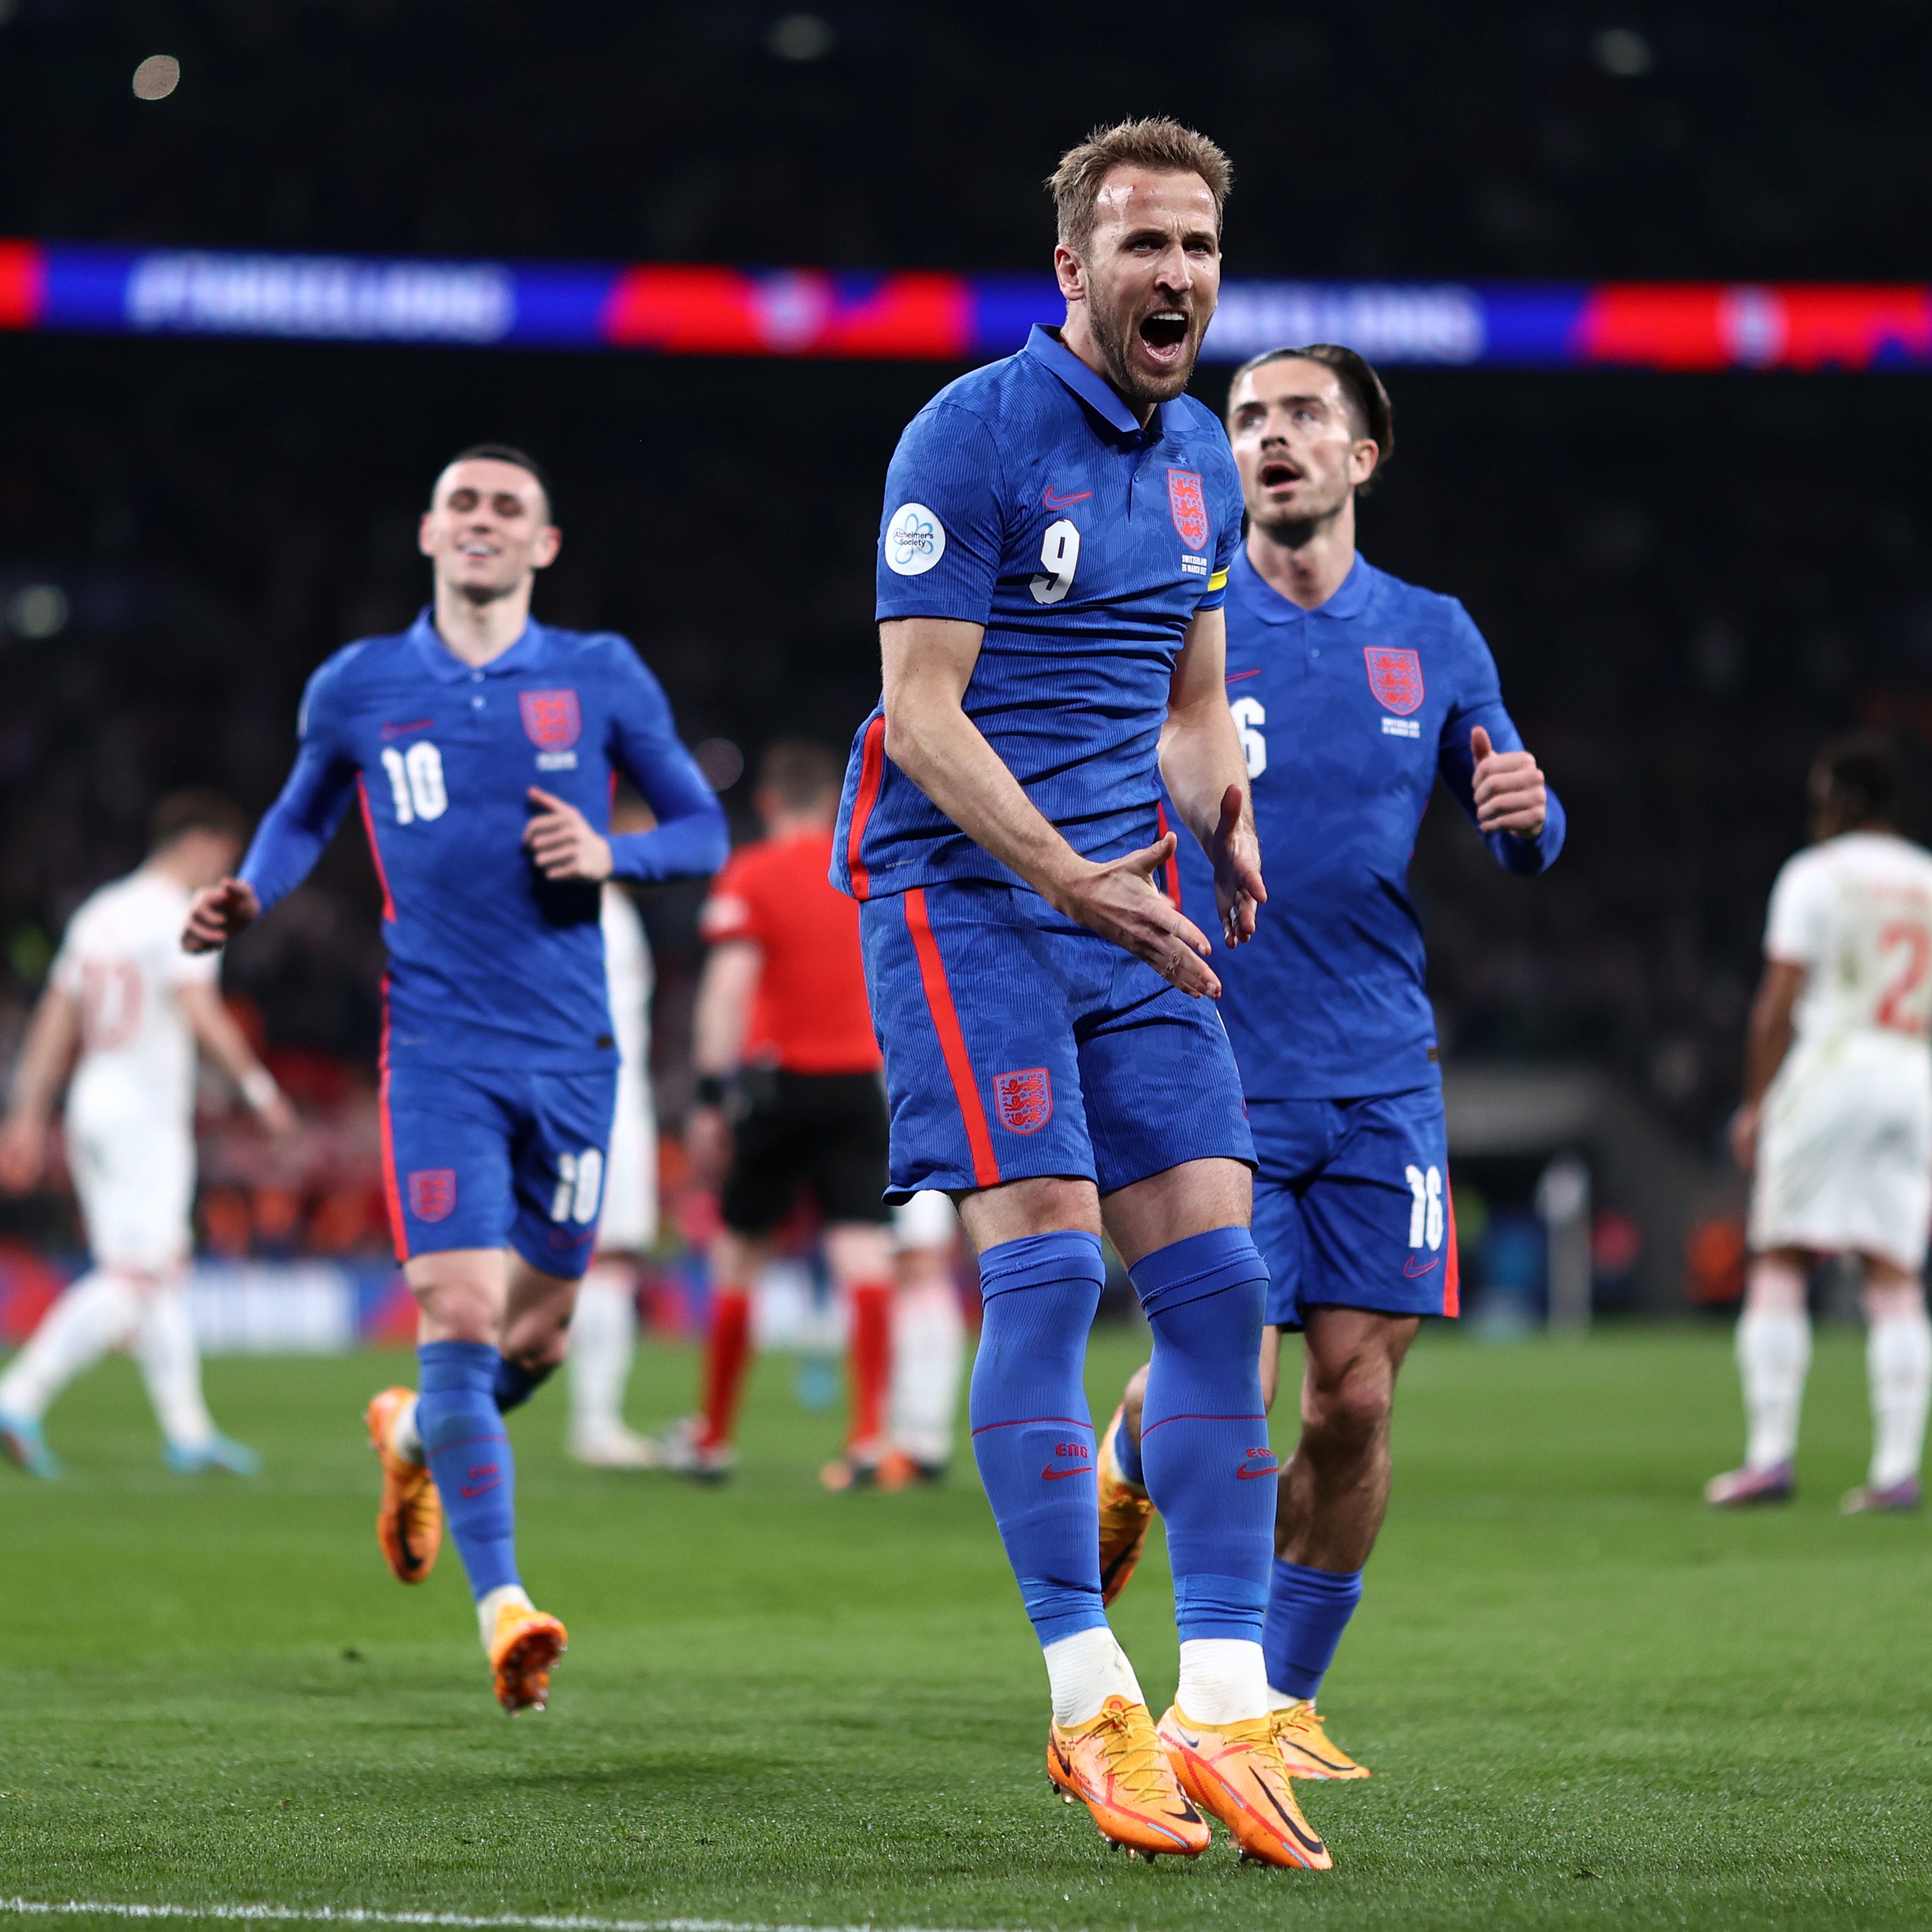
{"x":403,"y":730}
{"x":1053,"y":502}
{"x":1249,"y":1475}
{"x":469,"y":1491}
{"x":1061,"y":1475}
{"x":1235,"y":676}
{"x":1409,"y":1268}
{"x":1192,"y":1743}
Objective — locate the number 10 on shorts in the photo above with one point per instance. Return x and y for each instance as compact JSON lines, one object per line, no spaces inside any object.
{"x":1425,"y":1214}
{"x":580,"y":1181}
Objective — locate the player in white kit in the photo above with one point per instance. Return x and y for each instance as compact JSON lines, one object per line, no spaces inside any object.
{"x":135,"y":1007}
{"x":1837,"y":1126}
{"x":604,"y":1330}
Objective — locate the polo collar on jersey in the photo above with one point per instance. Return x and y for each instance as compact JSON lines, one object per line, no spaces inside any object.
{"x":442,"y":662}
{"x":1261,"y":598}
{"x":1093,"y":389}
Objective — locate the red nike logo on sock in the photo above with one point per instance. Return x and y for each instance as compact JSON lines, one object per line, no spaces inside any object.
{"x":1056,"y":1475}
{"x":1248,"y":1472}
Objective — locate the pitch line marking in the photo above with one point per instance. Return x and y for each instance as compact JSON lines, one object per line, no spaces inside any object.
{"x":357,"y":1915}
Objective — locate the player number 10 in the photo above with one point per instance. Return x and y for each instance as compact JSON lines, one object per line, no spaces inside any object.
{"x":415,"y":781}
{"x":1425,"y":1214}
{"x":1059,"y":553}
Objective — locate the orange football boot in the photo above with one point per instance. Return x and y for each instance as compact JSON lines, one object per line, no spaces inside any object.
{"x":408,"y":1520}
{"x":1236,"y":1771}
{"x":1126,"y":1512}
{"x":1306,"y":1748}
{"x":524,"y":1645}
{"x":1114,"y":1765}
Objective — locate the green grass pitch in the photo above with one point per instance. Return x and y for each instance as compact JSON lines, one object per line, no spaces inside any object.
{"x":1588,"y":1701}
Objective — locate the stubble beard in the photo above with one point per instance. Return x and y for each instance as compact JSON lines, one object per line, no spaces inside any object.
{"x":1116,"y":351}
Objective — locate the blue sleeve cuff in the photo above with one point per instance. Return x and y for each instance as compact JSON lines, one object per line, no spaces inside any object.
{"x":1527,"y":857}
{"x":692,"y":846}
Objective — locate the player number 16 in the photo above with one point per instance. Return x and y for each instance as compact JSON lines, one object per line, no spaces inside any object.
{"x":1425,"y":1215}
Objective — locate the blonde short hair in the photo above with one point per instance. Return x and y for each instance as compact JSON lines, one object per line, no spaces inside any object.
{"x":1156,"y":143}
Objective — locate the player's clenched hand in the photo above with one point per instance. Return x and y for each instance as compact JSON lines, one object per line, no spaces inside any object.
{"x":1120,"y":901}
{"x":1510,"y":793}
{"x":1236,"y":852}
{"x":563,"y":842}
{"x":218,"y":913}
{"x":23,"y":1152}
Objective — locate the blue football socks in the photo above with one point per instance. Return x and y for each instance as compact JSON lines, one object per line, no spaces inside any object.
{"x":1127,"y":1455}
{"x":515,"y":1384}
{"x":1204,"y":1430}
{"x":1033,"y":1437}
{"x":1307,"y":1612}
{"x":469,"y":1455}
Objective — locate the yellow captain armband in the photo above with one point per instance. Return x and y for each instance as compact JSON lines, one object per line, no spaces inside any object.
{"x":1218,"y":581}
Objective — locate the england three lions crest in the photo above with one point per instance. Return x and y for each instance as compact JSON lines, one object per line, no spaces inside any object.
{"x":1395,"y":678}
{"x":1188,"y":503}
{"x":1023,"y":1101}
{"x":433,"y":1193}
{"x":552,"y":721}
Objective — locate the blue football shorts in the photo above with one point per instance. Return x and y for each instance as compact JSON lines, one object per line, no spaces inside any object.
{"x":474,"y":1158}
{"x":1018,"y":1044}
{"x":1352,"y":1207}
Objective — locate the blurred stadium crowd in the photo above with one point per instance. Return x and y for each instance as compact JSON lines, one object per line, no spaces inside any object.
{"x":1687,"y":580}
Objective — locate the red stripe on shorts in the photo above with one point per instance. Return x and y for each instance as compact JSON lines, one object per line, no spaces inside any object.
{"x":952,"y":1040}
{"x":1172,"y":867}
{"x":872,"y":772}
{"x":392,"y":1195}
{"x":1452,"y":1274}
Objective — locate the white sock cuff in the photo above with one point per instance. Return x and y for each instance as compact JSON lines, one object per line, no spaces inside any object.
{"x":1084,"y":1670}
{"x":1223,"y":1680}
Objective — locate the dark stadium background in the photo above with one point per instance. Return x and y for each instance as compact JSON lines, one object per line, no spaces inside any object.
{"x":1688,"y":580}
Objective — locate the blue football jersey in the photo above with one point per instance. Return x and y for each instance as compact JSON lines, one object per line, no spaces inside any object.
{"x":1349,"y":715}
{"x":1026,"y":497}
{"x":490,"y":965}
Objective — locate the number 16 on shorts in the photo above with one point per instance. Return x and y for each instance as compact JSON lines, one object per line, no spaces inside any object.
{"x":1426,"y":1221}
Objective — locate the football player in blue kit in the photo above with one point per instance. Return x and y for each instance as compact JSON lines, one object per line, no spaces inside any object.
{"x":1354,"y":692}
{"x":482,"y":747}
{"x":1052,"y":562}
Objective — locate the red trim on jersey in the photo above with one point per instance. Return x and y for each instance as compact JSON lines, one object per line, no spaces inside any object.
{"x":382,"y":879}
{"x":392,"y":1196}
{"x":1452,"y":1274}
{"x":952,"y":1040}
{"x":1173,"y":866}
{"x":872,"y":772}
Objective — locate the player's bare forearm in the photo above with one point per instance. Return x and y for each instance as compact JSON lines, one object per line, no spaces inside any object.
{"x":1206,"y":777}
{"x":725,"y":991}
{"x":224,"y":1042}
{"x":928,"y":664}
{"x":1768,"y":1034}
{"x":45,"y":1056}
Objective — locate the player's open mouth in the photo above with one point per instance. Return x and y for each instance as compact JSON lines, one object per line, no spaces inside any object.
{"x":476,"y":549}
{"x":1275,"y":475}
{"x":1164,"y":331}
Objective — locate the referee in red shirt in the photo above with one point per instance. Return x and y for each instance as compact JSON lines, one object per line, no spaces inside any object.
{"x":789,"y":1097}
